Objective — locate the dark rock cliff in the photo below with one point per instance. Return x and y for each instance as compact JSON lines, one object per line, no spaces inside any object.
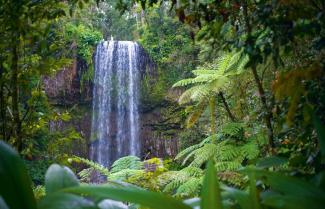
{"x":159,"y":124}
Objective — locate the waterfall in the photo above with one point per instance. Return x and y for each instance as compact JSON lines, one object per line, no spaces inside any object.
{"x":115,"y":119}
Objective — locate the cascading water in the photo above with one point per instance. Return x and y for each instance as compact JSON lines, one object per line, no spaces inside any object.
{"x":115,"y":121}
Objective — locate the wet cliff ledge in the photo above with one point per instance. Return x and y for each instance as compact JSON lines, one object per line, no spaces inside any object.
{"x":160,"y":120}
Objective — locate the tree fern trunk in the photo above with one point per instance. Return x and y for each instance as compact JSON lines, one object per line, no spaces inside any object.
{"x":225,"y":104}
{"x":212,"y":107}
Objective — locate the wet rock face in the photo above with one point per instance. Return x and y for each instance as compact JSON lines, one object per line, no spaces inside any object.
{"x":158,"y":125}
{"x":158,"y":134}
{"x":64,"y":88}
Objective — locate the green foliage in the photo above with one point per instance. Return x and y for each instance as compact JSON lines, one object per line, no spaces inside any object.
{"x":93,"y":165}
{"x":128,"y":162}
{"x":183,"y":183}
{"x":37,"y":169}
{"x":212,"y":78}
{"x":59,"y":177}
{"x":39,"y":192}
{"x":283,"y":191}
{"x":14,"y":180}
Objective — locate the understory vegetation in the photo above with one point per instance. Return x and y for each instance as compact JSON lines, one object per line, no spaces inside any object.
{"x":240,"y":85}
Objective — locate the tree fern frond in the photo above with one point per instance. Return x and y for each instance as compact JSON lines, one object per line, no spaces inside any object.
{"x":184,"y":82}
{"x":223,"y":62}
{"x":187,"y":151}
{"x":96,"y":166}
{"x":201,"y":92}
{"x":227,"y":152}
{"x":233,"y":129}
{"x":238,"y":63}
{"x":204,"y":154}
{"x":190,"y":188}
{"x":186,"y":95}
{"x":128,"y":162}
{"x":250,"y":150}
{"x":203,"y":71}
{"x":125,"y":174}
{"x":179,"y":177}
{"x":227,"y":166}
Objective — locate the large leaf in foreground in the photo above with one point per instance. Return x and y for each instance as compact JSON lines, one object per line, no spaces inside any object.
{"x":59,"y":177}
{"x":275,"y":200}
{"x":287,"y":184}
{"x":65,"y":201}
{"x":142,"y":197}
{"x":211,"y":196}
{"x":15,"y":184}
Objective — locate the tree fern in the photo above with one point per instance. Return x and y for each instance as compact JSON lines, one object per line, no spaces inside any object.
{"x":209,"y":80}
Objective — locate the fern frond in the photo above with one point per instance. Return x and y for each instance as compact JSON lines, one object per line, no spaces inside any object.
{"x":98,"y":167}
{"x":125,"y":174}
{"x":223,"y":62}
{"x":227,"y":152}
{"x":128,"y":162}
{"x":227,"y":166}
{"x":187,"y":151}
{"x":190,"y":188}
{"x":177,"y":178}
{"x":204,"y":154}
{"x":250,"y":150}
{"x":203,"y":71}
{"x":233,"y":129}
{"x":184,"y":82}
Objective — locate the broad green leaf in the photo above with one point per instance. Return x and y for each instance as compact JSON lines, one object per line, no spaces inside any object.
{"x":65,"y":201}
{"x":286,"y":184}
{"x":275,"y":200}
{"x":271,"y":162}
{"x":211,"y":196}
{"x":253,"y":191}
{"x":59,"y":177}
{"x":15,"y":184}
{"x":153,"y":200}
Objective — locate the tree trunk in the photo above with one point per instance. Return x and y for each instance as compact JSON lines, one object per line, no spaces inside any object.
{"x":268,"y":114}
{"x":3,"y":118}
{"x":15,"y":93}
{"x":225,"y":104}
